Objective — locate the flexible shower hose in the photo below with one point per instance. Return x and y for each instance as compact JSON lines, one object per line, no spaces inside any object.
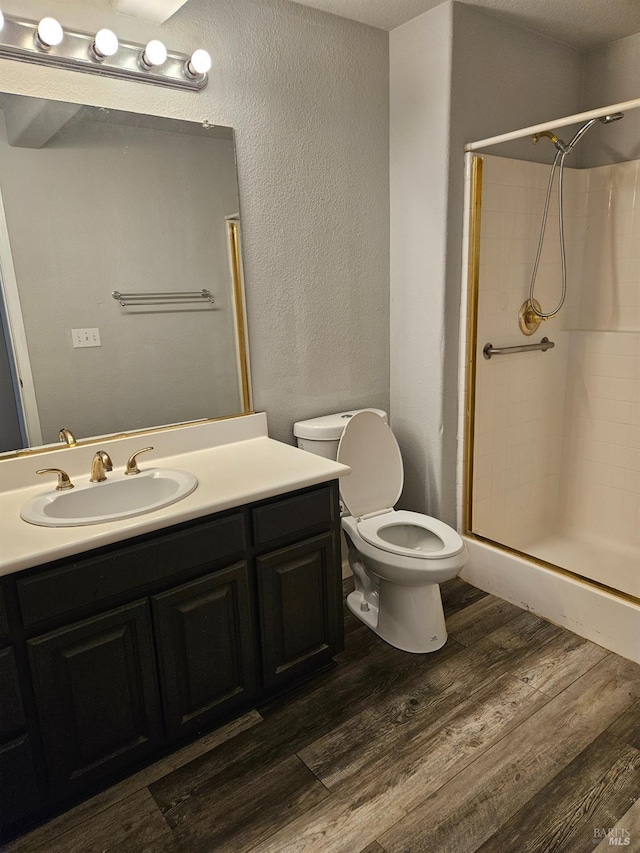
{"x":558,"y":163}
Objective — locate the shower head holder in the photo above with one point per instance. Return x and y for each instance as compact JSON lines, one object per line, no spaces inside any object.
{"x":559,"y":144}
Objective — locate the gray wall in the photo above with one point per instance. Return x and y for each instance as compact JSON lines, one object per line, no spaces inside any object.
{"x":307,"y":94}
{"x":612,"y":72}
{"x":612,"y":75}
{"x":505,"y":78}
{"x":420,"y":53}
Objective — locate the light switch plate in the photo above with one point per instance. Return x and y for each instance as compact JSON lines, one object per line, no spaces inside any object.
{"x":85,"y":337}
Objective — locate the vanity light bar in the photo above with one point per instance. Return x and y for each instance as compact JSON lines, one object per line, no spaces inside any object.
{"x":45,"y":42}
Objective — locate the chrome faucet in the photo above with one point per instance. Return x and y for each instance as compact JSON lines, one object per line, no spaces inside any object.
{"x":101,"y":463}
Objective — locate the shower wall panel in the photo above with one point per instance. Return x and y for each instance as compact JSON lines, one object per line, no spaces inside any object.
{"x":601,"y":478}
{"x":557,"y":434}
{"x":608,"y":296}
{"x":601,"y":482}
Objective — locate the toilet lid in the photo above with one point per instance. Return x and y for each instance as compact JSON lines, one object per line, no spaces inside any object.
{"x":370,"y":449}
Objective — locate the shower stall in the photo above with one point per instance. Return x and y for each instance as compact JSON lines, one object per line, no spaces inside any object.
{"x":549,"y":474}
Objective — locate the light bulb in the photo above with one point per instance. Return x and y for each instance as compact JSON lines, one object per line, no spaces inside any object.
{"x":155,"y":53}
{"x":199,"y":63}
{"x":49,"y":33}
{"x":105,"y":44}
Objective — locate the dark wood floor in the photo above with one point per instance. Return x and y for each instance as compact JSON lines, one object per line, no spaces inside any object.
{"x":516,"y":736}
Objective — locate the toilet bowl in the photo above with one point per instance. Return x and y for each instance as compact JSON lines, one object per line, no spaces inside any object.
{"x":398,"y":557}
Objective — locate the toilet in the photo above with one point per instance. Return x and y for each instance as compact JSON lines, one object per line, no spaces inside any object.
{"x":398,"y":557}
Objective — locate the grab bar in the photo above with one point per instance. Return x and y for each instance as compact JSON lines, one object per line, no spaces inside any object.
{"x":488,"y":349}
{"x":162,"y":298}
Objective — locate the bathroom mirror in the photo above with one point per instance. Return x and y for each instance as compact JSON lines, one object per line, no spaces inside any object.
{"x":95,"y":202}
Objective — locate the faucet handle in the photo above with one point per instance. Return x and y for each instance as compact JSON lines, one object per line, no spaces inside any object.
{"x":132,"y":464}
{"x":63,"y":478}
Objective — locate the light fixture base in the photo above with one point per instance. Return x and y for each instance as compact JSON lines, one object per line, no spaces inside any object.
{"x":75,"y":53}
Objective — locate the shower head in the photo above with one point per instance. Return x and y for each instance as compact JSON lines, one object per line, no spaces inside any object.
{"x":608,"y":119}
{"x":565,"y":148}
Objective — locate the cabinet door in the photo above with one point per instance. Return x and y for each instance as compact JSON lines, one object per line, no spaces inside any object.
{"x":11,"y":713}
{"x":18,"y":787}
{"x":297,"y":587}
{"x":205,"y":648}
{"x":97,"y":697}
{"x":4,"y":622}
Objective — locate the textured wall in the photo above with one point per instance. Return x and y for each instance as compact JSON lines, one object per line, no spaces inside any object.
{"x":611,"y":75}
{"x":506,"y":78}
{"x":612,"y":72}
{"x":420,"y":59}
{"x":307,"y":94}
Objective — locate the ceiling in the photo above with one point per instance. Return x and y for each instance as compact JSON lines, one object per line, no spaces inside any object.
{"x":583,"y":24}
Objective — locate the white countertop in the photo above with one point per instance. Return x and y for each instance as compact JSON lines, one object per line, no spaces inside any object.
{"x":230,"y":474}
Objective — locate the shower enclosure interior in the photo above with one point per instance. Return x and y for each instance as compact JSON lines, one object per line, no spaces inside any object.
{"x":554,"y":434}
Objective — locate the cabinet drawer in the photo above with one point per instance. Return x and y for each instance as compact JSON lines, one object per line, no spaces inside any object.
{"x":293,"y":517}
{"x":11,"y":713}
{"x":89,"y":581}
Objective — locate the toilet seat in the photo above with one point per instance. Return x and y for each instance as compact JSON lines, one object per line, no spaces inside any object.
{"x":373,"y":488}
{"x":425,"y":538}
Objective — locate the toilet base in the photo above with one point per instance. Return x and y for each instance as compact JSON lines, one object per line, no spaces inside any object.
{"x":409,"y":618}
{"x":360,"y":607}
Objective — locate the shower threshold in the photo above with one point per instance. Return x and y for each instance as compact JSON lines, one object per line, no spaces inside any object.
{"x":616,"y":568}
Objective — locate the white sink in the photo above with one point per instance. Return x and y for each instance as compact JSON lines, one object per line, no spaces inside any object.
{"x":117,"y":498}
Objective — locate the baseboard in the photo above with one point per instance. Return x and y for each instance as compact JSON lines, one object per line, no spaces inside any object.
{"x":592,"y":613}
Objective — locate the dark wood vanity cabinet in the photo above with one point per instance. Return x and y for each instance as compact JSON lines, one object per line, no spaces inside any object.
{"x":111,"y":658}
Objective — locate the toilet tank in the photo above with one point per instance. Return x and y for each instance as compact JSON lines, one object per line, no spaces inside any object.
{"x":322,"y":435}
